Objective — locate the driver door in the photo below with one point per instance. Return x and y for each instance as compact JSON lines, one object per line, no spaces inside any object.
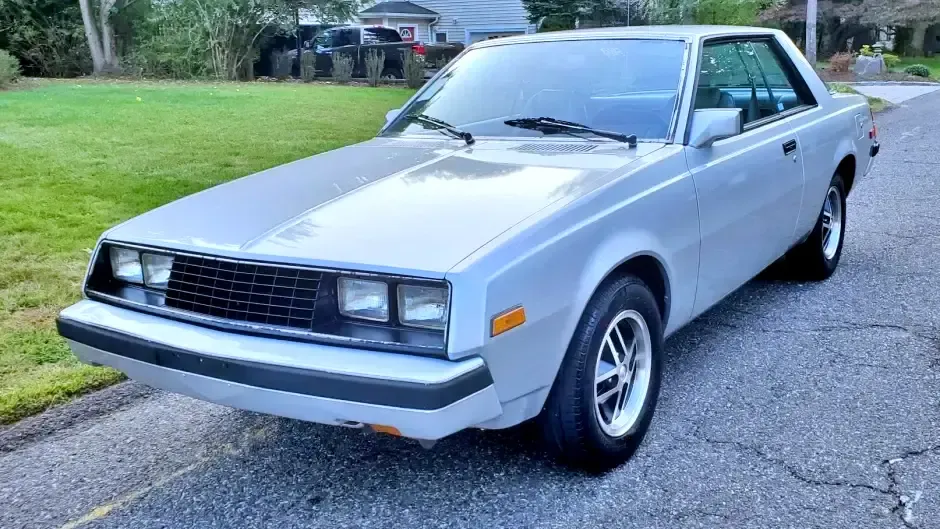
{"x":749,"y":186}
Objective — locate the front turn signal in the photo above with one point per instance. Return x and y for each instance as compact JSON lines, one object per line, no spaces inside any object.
{"x":507,"y":320}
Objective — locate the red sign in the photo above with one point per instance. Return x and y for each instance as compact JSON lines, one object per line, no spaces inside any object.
{"x":407,"y":33}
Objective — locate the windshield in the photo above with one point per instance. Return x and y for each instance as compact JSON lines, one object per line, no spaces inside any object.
{"x":625,"y":86}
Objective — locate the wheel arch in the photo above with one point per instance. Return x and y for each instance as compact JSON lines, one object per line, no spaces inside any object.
{"x":649,"y":267}
{"x":847,"y":167}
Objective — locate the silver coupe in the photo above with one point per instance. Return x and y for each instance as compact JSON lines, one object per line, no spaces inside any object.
{"x":515,"y":243}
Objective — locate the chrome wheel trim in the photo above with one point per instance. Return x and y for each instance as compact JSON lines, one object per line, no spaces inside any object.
{"x":622,"y":374}
{"x":832,"y":222}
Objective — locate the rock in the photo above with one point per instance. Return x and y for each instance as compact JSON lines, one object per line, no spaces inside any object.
{"x":865,"y":66}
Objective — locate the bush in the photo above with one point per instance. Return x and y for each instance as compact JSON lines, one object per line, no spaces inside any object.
{"x":280,"y":65}
{"x":840,"y":62}
{"x":308,"y":70}
{"x":891,"y":60}
{"x":375,"y":63}
{"x":866,"y":51}
{"x":9,"y":69}
{"x":917,"y":70}
{"x":342,"y":68}
{"x":414,"y":69}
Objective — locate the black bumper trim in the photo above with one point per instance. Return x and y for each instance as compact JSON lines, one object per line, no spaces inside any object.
{"x":365,"y":390}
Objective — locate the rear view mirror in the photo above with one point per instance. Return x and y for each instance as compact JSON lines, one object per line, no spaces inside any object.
{"x":713,"y":124}
{"x":392,"y":114}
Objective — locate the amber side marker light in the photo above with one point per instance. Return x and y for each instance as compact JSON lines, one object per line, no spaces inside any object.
{"x":391,"y":430}
{"x":505,"y":321}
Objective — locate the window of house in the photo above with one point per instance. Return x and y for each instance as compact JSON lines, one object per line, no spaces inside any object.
{"x":440,"y":36}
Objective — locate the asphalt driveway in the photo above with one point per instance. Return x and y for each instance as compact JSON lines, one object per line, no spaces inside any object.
{"x":789,"y":405}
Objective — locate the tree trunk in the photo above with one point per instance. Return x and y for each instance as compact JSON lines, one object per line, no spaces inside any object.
{"x":107,"y":36}
{"x":811,"y":31}
{"x":916,"y":46}
{"x":91,"y":33}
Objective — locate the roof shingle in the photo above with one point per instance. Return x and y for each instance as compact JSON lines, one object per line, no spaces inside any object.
{"x":403,"y":8}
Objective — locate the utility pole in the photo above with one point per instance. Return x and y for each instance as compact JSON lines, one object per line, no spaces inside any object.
{"x":811,"y":31}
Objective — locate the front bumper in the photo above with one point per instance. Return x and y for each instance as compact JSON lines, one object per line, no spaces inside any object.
{"x":424,"y":398}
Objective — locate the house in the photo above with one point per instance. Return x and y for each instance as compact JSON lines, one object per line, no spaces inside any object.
{"x":465,"y":21}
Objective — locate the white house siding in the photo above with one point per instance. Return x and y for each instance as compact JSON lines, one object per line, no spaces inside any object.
{"x":422,"y":23}
{"x":470,"y":20}
{"x":393,"y":22}
{"x":467,"y":21}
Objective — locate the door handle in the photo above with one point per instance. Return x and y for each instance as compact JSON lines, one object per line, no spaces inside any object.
{"x":789,"y":147}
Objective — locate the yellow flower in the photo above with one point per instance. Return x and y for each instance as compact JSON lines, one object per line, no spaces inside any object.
{"x":139,"y":99}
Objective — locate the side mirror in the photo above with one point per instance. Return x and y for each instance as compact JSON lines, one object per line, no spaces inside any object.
{"x":713,"y":124}
{"x":392,"y":114}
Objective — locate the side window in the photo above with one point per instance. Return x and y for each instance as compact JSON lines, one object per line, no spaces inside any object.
{"x":343,"y":37}
{"x":324,"y":39}
{"x":745,"y":75}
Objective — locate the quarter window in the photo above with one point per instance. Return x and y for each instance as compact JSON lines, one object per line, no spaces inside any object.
{"x":748,"y":75}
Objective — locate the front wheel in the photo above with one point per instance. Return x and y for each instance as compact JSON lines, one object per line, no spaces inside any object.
{"x":818,"y":256}
{"x":602,"y":402}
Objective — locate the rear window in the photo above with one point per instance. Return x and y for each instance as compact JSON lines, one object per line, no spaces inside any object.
{"x":379,"y":36}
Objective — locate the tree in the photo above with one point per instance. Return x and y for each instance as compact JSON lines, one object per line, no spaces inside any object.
{"x":554,"y":14}
{"x":99,"y":30}
{"x":46,"y":36}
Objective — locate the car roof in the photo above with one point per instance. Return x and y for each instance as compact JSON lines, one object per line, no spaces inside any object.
{"x":633,"y":32}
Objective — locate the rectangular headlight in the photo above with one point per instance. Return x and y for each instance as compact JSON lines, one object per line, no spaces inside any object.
{"x":366,"y":300}
{"x":125,"y":265}
{"x":420,"y":306}
{"x":157,"y":270}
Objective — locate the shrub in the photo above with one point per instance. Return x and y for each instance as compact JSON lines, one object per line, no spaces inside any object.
{"x":891,"y":60}
{"x":375,"y":63}
{"x":917,"y":70}
{"x":414,"y":69}
{"x":840,"y":62}
{"x":280,"y":65}
{"x":9,"y":69}
{"x":866,"y":51}
{"x":308,"y":70}
{"x":342,"y":68}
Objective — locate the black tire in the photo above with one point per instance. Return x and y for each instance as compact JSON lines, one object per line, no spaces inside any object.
{"x":393,"y":73}
{"x":808,"y":260}
{"x":569,"y":424}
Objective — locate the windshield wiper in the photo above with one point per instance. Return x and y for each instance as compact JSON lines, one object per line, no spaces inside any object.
{"x":441,"y":125}
{"x":549,"y":125}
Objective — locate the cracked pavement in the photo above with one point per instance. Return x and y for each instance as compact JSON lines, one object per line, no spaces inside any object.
{"x":788,"y":406}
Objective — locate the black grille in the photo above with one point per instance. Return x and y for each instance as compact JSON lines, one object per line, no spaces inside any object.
{"x":257,"y":293}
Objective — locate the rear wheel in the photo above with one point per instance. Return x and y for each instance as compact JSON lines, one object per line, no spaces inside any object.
{"x":390,"y":74}
{"x":818,"y":256}
{"x":603,"y":399}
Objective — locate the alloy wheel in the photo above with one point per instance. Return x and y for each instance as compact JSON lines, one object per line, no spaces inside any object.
{"x":622,"y":373}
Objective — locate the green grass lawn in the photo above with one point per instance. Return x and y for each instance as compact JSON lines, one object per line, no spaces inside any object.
{"x":933,"y":63}
{"x":78,"y":157}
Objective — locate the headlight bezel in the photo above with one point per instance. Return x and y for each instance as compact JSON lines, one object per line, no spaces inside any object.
{"x":402,"y":301}
{"x":334,"y":329}
{"x":344,"y":282}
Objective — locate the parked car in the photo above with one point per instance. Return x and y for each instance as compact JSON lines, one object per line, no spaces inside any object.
{"x":358,"y":41}
{"x":515,"y":244}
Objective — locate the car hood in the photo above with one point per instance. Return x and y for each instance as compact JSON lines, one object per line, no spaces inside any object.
{"x":405,"y":206}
